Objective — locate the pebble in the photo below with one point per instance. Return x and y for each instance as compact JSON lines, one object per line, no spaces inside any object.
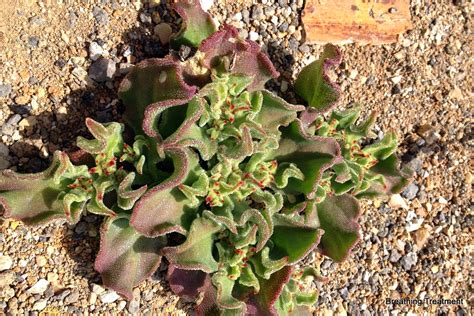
{"x":33,"y":41}
{"x":102,"y":70}
{"x":133,"y":306}
{"x":72,"y":298}
{"x":100,"y":16}
{"x":97,"y":289}
{"x":206,"y":4}
{"x":163,"y":31}
{"x":40,"y":305}
{"x":396,"y":202}
{"x":253,"y":36}
{"x":4,"y":164}
{"x":409,"y":261}
{"x":396,"y":89}
{"x":410,"y":191}
{"x":395,"y":256}
{"x":95,"y":51}
{"x":109,"y":297}
{"x":6,"y":263}
{"x":41,"y":261}
{"x":5,"y":90}
{"x":39,"y":287}
{"x":6,"y":278}
{"x":257,"y":12}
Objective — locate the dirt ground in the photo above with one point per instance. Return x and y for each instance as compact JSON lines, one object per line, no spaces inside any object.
{"x":416,"y":245}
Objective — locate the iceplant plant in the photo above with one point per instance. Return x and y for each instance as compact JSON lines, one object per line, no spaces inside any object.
{"x":230,"y":183}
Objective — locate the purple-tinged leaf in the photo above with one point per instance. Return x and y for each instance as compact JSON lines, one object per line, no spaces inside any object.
{"x":395,"y":180}
{"x":126,"y":196}
{"x":243,"y":56}
{"x":196,"y":252}
{"x":187,"y":283}
{"x":292,"y":239}
{"x":37,"y":198}
{"x":197,"y":24}
{"x":126,"y":257}
{"x":312,"y":155}
{"x":151,"y":84}
{"x":163,"y":208}
{"x":338,"y":218}
{"x":263,"y":302}
{"x":314,"y":86}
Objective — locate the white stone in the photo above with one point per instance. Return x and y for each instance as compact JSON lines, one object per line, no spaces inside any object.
{"x":206,"y":4}
{"x":396,"y":79}
{"x":253,"y":36}
{"x":163,"y":31}
{"x":97,"y":289}
{"x":413,"y":222}
{"x":5,"y":262}
{"x":40,"y":305}
{"x":396,"y":202}
{"x":95,"y":51}
{"x":109,"y":297}
{"x":39,"y":287}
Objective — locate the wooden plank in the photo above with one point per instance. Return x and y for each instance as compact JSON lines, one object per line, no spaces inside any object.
{"x":362,"y":21}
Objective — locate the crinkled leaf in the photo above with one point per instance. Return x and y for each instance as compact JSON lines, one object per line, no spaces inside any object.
{"x":197,"y":24}
{"x":151,"y":84}
{"x":238,"y":56}
{"x":187,"y":283}
{"x":38,"y":198}
{"x":126,"y":257}
{"x":292,"y":239}
{"x":394,"y":179}
{"x":107,"y":138}
{"x":263,"y":302}
{"x":225,"y":300}
{"x":338,"y":218}
{"x":313,"y":83}
{"x":311,"y":155}
{"x":164,"y":208}
{"x":196,"y":252}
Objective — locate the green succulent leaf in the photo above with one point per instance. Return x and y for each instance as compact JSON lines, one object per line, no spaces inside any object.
{"x":164,"y":208}
{"x":197,"y":24}
{"x":196,"y":252}
{"x":226,"y":50}
{"x":152,"y":84}
{"x":338,"y":219}
{"x":38,"y":198}
{"x":126,"y":257}
{"x":313,"y":84}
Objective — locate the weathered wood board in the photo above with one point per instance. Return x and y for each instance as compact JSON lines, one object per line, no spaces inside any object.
{"x":362,"y":21}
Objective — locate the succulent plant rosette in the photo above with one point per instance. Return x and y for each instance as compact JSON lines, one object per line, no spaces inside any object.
{"x":227,"y":181}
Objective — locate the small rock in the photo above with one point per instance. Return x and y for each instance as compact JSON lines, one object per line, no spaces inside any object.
{"x":100,"y":16}
{"x":33,"y":41}
{"x":121,"y":305}
{"x":102,"y":70}
{"x":95,"y":51}
{"x":71,"y":298}
{"x":396,"y":89}
{"x":253,"y":36}
{"x":40,"y":305}
{"x":92,"y":298}
{"x":97,"y":289}
{"x":4,"y":164}
{"x":7,"y":278}
{"x":206,"y":4}
{"x":145,"y":18}
{"x":394,"y":256}
{"x":5,"y":90}
{"x":5,"y":263}
{"x":257,"y":12}
{"x":41,"y":261}
{"x":396,"y":202}
{"x":421,"y":237}
{"x":133,"y":306}
{"x":61,"y":295}
{"x":109,"y":297}
{"x":396,"y":79}
{"x":39,"y":287}
{"x":409,"y":261}
{"x":284,"y":86}
{"x":410,"y":192}
{"x":413,"y":222}
{"x":163,"y":31}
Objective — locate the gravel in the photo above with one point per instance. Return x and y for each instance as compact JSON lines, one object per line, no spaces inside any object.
{"x":102,"y":70}
{"x":6,"y":263}
{"x":422,"y":80}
